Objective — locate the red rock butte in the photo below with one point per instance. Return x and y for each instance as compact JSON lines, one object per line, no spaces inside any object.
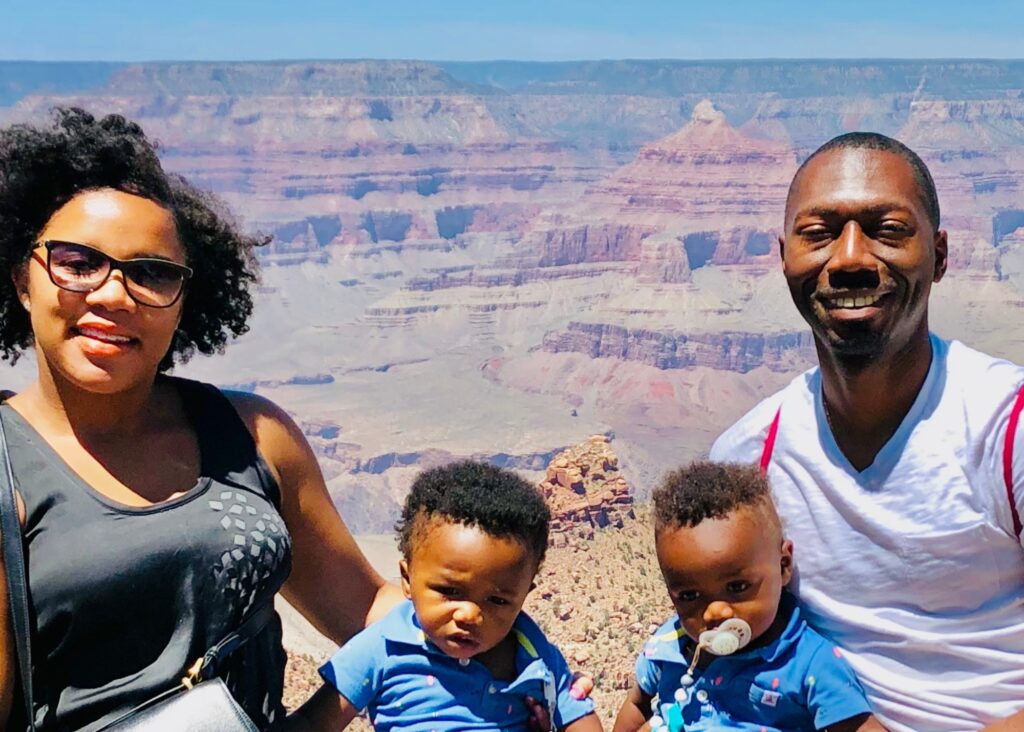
{"x":586,"y":490}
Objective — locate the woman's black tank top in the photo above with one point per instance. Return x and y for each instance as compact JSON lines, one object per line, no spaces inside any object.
{"x":125,"y":599}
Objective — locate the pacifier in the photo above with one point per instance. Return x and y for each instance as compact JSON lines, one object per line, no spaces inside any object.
{"x":732,"y":635}
{"x":727,"y":638}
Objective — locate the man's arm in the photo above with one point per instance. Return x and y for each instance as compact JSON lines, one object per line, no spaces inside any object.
{"x":1010,"y":724}
{"x":1014,"y":723}
{"x":635,"y":710}
{"x":1016,"y":460}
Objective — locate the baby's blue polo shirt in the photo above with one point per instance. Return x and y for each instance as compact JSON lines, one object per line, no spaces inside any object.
{"x":797,"y":682}
{"x":408,"y":683}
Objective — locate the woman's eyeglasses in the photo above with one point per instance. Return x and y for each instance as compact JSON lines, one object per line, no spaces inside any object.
{"x":156,"y":283}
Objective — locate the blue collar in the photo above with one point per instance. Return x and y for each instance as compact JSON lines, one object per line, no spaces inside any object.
{"x":670,"y":642}
{"x":535,"y":676}
{"x":402,"y":626}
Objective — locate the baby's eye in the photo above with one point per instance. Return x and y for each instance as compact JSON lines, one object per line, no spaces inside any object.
{"x":499,"y":601}
{"x":738,"y":586}
{"x":446,"y":591}
{"x":687,"y":595}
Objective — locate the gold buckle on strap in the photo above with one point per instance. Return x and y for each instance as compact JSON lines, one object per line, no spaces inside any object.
{"x":192,"y":676}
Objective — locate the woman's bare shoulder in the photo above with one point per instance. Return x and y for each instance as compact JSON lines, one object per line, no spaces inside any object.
{"x":278,"y":437}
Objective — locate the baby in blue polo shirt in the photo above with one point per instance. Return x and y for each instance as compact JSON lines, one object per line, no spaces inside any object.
{"x":459,"y":654}
{"x":738,"y":654}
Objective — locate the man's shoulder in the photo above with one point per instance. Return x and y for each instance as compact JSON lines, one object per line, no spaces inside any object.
{"x":744,"y":441}
{"x":977,"y":372}
{"x":980,"y":386}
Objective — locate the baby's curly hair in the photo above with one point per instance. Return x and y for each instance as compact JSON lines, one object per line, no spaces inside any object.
{"x":495,"y":500}
{"x":705,"y":490}
{"x":42,"y":168}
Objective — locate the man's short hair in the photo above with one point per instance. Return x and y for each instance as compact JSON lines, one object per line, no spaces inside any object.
{"x":877,"y":141}
{"x":470,"y":493}
{"x":706,"y":490}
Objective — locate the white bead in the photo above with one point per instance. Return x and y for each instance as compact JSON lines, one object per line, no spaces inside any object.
{"x":656,"y":722}
{"x":687,"y":680}
{"x":463,"y":662}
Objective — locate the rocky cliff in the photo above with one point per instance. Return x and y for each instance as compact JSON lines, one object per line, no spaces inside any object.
{"x":497,"y":259}
{"x":723,"y":351}
{"x":586,"y":490}
{"x":707,"y":191}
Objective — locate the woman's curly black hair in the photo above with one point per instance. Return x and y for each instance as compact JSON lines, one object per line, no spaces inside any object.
{"x":495,"y":500}
{"x":42,"y":168}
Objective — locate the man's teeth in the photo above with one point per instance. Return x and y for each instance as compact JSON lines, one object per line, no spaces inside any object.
{"x":856,"y":302}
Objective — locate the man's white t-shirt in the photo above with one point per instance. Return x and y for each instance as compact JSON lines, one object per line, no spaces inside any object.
{"x":911,"y":566}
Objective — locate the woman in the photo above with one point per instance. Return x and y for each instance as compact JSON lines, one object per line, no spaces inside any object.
{"x":156,"y":511}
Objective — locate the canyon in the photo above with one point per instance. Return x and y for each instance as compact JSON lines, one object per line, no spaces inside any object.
{"x":498,"y":259}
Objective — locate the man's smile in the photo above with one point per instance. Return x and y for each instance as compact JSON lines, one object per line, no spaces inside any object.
{"x":849,"y":301}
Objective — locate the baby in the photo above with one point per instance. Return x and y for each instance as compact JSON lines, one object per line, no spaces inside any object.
{"x":738,"y":654}
{"x":460,"y":654}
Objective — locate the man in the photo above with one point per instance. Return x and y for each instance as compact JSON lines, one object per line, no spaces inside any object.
{"x":890,"y":462}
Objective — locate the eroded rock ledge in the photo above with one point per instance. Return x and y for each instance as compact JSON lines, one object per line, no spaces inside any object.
{"x":586,"y":490}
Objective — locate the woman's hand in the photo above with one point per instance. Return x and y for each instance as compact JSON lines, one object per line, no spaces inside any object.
{"x":582,"y":686}
{"x":540,"y":719}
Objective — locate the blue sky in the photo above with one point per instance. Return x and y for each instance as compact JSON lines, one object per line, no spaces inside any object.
{"x":138,"y":30}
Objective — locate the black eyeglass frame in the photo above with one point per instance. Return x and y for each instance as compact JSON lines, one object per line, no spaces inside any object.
{"x":118,"y":264}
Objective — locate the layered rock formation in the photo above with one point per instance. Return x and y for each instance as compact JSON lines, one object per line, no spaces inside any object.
{"x":477,"y":259}
{"x":706,"y":189}
{"x":586,"y":490}
{"x":724,"y":351}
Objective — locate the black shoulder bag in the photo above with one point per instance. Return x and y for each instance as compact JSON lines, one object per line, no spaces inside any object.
{"x":200,"y":703}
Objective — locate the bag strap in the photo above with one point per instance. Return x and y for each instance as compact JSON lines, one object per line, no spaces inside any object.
{"x":17,"y":577}
{"x":769,"y":443}
{"x":1011,"y":432}
{"x":210,"y":664}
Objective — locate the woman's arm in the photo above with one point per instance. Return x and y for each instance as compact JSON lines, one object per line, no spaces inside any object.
{"x":331,"y":583}
{"x":635,"y":710}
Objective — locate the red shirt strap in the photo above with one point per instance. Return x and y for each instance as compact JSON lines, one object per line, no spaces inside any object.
{"x":1011,"y":432}
{"x":769,"y":443}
